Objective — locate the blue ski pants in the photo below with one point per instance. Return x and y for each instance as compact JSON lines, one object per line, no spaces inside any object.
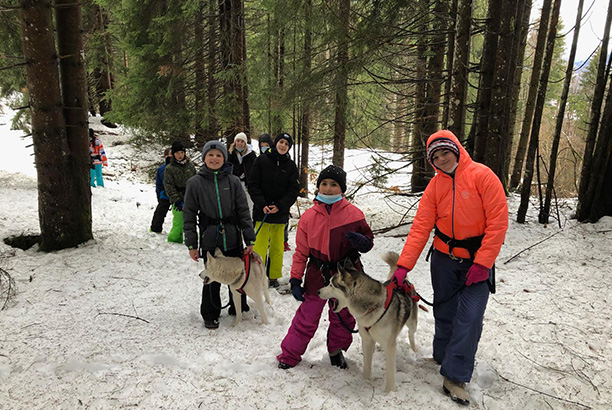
{"x":458,"y":322}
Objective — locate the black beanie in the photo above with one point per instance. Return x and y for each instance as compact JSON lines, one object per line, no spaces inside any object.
{"x":178,"y":146}
{"x":335,"y":173}
{"x":284,"y":136}
{"x":265,"y":138}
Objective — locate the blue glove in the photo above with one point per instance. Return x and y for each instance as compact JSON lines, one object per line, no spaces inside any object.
{"x":360,"y":242}
{"x":296,"y":289}
{"x":179,"y":206}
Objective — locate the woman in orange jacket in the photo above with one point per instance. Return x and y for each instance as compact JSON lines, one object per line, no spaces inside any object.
{"x":466,"y":205}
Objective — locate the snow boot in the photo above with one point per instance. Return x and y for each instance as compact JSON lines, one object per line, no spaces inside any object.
{"x":211,"y":324}
{"x":338,"y":360}
{"x":456,"y":391}
{"x":284,"y":366}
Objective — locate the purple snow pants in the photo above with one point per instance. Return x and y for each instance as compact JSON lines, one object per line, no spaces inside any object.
{"x":305,"y":324}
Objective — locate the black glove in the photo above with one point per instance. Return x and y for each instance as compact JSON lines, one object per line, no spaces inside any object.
{"x":179,"y":206}
{"x":360,"y":242}
{"x":296,"y":289}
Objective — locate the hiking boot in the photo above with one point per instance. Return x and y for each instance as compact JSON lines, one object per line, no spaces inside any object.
{"x":211,"y":324}
{"x":338,"y":360}
{"x":284,"y":366}
{"x":232,"y":309}
{"x":456,"y":391}
{"x":273,"y":283}
{"x":287,"y":247}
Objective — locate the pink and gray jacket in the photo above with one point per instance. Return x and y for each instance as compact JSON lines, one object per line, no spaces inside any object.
{"x":321,"y":234}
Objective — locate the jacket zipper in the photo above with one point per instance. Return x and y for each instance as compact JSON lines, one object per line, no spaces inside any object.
{"x":220,"y":212}
{"x":453,"y":210}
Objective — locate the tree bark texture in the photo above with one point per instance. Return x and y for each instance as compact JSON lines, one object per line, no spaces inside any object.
{"x":451,"y":24}
{"x":552,"y":163}
{"x":305,"y":109}
{"x":341,"y":84}
{"x":584,"y":205}
{"x":537,"y":116}
{"x":419,"y":176}
{"x":459,"y":77}
{"x":498,"y":138}
{"x":536,"y":70}
{"x":64,"y":221}
{"x":487,"y":77}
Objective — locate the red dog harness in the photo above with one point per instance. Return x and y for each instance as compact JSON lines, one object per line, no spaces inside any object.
{"x":391,"y":288}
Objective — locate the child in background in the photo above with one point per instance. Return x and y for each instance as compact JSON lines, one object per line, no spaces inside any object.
{"x":177,"y":172}
{"x":98,"y":159}
{"x":215,"y":204}
{"x":274,"y":187}
{"x":242,"y":157}
{"x":163,"y":201}
{"x":328,"y":233}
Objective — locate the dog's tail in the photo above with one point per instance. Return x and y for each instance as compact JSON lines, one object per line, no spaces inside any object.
{"x":390,"y":258}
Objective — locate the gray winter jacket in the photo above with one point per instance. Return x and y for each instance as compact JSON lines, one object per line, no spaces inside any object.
{"x":216,"y":203}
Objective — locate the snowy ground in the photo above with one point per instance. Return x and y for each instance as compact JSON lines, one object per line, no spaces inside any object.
{"x":115,"y":322}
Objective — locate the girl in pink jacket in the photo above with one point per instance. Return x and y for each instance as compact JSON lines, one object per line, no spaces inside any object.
{"x":328,"y":233}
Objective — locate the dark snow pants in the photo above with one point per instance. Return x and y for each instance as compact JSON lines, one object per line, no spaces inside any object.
{"x":163,"y":204}
{"x":210,"y":307}
{"x":458,"y":321}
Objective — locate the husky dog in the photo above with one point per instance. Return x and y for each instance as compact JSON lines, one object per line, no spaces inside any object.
{"x":365,"y":298}
{"x":231,"y":271}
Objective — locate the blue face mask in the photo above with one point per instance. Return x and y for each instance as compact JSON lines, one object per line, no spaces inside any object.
{"x":240,"y":149}
{"x":328,"y":199}
{"x":264,"y":149}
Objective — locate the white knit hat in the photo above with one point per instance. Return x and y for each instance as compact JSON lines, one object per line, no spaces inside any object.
{"x":241,"y":136}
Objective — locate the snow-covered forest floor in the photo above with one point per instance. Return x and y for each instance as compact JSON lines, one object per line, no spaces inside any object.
{"x":115,"y":323}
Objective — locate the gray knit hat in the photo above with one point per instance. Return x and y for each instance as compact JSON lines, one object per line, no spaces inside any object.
{"x":215,"y":144}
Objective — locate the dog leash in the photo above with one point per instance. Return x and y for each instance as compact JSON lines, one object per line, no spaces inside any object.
{"x":261,"y":226}
{"x":443,"y":301}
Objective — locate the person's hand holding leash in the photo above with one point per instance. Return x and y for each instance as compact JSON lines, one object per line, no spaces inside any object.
{"x":194,"y":254}
{"x":296,"y":289}
{"x":399,"y":276}
{"x":477,"y":273}
{"x":248,"y":250}
{"x":270,"y":209}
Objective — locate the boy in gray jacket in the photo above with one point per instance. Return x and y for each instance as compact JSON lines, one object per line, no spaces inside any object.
{"x":216,"y":206}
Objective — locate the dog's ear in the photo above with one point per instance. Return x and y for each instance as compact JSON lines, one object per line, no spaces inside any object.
{"x":348,"y":265}
{"x":218,"y":253}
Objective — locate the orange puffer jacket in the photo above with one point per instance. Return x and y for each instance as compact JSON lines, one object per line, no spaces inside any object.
{"x":472,"y":203}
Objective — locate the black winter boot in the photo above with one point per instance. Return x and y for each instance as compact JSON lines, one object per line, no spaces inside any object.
{"x":338,"y":360}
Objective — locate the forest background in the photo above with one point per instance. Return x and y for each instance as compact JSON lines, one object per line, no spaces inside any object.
{"x":378,"y":74}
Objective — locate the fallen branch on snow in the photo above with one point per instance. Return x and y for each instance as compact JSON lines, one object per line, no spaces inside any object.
{"x":546,"y":394}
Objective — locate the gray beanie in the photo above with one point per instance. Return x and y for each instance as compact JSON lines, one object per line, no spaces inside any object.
{"x":215,"y":144}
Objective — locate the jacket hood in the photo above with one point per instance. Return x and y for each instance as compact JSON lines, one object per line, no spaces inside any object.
{"x":464,"y":157}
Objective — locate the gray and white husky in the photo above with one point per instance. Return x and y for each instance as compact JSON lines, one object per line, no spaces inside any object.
{"x":365,"y":298}
{"x":231,"y":271}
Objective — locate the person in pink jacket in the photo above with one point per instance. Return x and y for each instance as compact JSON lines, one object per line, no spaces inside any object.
{"x":331,"y":231}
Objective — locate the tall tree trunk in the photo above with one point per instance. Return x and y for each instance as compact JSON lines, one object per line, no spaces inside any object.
{"x":305,"y":119}
{"x":451,"y":24}
{"x":435,"y":65}
{"x":104,"y":75}
{"x":341,"y":83}
{"x":459,"y":87}
{"x":244,"y":87}
{"x":521,"y":148}
{"x":537,"y":116}
{"x":487,"y":77}
{"x":64,"y":220}
{"x":279,"y":82}
{"x":583,"y":210}
{"x":200,"y":75}
{"x":545,"y":212}
{"x":497,"y":135}
{"x":212,"y":119}
{"x":418,"y":178}
{"x":595,"y":202}
{"x":518,"y":74}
